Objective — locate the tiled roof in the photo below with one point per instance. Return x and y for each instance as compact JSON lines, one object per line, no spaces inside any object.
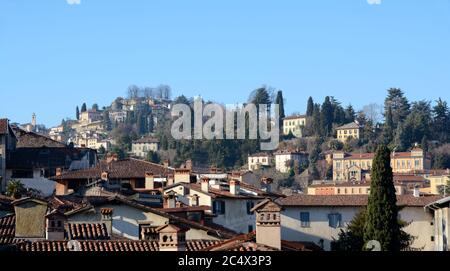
{"x":351,"y":125}
{"x":247,"y":243}
{"x":259,"y":154}
{"x":3,"y":126}
{"x":7,"y":229}
{"x":33,"y":140}
{"x":121,"y":169}
{"x":408,"y":178}
{"x":87,"y":231}
{"x":108,"y":246}
{"x":147,"y":140}
{"x":351,"y":200}
{"x":295,"y":117}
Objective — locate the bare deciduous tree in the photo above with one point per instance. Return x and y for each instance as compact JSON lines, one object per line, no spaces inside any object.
{"x":133,"y":92}
{"x":373,"y":112}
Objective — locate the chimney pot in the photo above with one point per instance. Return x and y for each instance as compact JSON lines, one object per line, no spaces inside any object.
{"x":234,"y":187}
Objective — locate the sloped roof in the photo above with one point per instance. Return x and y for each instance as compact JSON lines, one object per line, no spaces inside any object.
{"x":33,"y":140}
{"x":147,"y":140}
{"x":350,"y":200}
{"x":108,"y":246}
{"x":121,"y":169}
{"x":7,"y":229}
{"x":87,"y":231}
{"x":351,"y":125}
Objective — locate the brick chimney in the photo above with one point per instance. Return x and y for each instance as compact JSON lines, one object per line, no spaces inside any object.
{"x":205,"y":185}
{"x":107,"y":218}
{"x":235,"y":186}
{"x":172,"y":238}
{"x":59,"y":171}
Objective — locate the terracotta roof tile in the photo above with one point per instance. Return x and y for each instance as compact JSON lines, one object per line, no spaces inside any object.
{"x":350,"y":200}
{"x":127,"y":168}
{"x":108,"y":246}
{"x":7,"y":229}
{"x":87,"y":231}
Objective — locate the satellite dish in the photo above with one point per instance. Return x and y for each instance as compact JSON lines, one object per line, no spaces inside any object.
{"x":74,"y":245}
{"x":373,"y":245}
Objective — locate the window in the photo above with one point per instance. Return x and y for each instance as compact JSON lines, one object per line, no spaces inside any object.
{"x":432,"y":238}
{"x":59,"y":223}
{"x":250,"y":228}
{"x":335,"y":220}
{"x":219,"y":207}
{"x":304,"y":219}
{"x":139,"y":184}
{"x":250,"y":205}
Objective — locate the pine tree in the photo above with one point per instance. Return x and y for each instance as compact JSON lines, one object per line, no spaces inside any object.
{"x":382,"y":222}
{"x":77,"y":113}
{"x":441,"y":121}
{"x":398,"y":104}
{"x":95,"y":107}
{"x":350,"y":114}
{"x":83,"y":108}
{"x":107,"y":121}
{"x":316,"y":120}
{"x":310,"y":107}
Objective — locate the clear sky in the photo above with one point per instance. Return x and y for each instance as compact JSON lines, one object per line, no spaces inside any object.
{"x":55,"y":55}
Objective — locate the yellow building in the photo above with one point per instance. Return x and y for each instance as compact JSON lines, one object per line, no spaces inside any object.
{"x":438,"y":181}
{"x":294,"y":124}
{"x":352,"y":166}
{"x":347,"y":189}
{"x":348,"y":131}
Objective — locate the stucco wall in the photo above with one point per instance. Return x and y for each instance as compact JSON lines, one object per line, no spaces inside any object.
{"x":236,"y":217}
{"x":291,"y":230}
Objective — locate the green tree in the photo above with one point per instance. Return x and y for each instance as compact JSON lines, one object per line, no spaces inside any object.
{"x":417,"y":124}
{"x":83,"y":108}
{"x":280,"y":101}
{"x":326,"y":117}
{"x":15,"y":189}
{"x":95,"y":107}
{"x":382,"y":213}
{"x":388,"y":128}
{"x":441,"y":121}
{"x":153,"y":157}
{"x":107,"y":121}
{"x":77,"y":113}
{"x":398,"y":104}
{"x":310,"y":107}
{"x":350,"y":114}
{"x":352,"y":238}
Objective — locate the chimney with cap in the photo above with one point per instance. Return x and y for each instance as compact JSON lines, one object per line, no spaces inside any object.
{"x":416,"y":192}
{"x":268,"y":223}
{"x":235,"y":186}
{"x":172,"y":237}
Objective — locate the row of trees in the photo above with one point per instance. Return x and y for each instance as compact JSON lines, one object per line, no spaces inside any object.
{"x":159,"y":92}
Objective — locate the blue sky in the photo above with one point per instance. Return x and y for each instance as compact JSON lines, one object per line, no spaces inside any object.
{"x":55,"y":55}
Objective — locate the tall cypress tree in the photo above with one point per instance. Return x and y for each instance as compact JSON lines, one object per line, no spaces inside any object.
{"x":388,"y":129}
{"x":84,"y":107}
{"x":310,"y":107}
{"x":382,"y":222}
{"x":77,"y":113}
{"x":280,"y":101}
{"x":326,"y":117}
